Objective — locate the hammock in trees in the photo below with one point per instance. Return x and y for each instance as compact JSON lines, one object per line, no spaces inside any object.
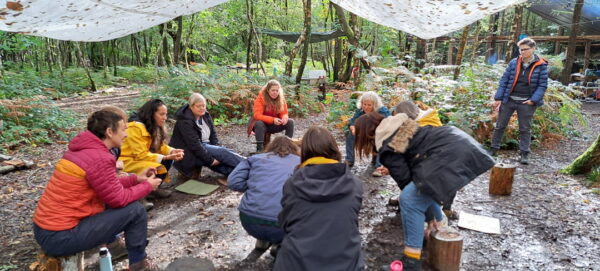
{"x":293,"y":36}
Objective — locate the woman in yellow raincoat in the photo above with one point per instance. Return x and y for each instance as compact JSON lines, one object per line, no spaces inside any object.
{"x":145,"y":145}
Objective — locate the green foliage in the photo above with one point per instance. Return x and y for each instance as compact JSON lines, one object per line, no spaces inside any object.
{"x":7,"y":267}
{"x":594,"y":176}
{"x":35,"y":121}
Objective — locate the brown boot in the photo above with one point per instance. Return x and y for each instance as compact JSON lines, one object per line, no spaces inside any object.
{"x":117,"y":248}
{"x":143,"y":265}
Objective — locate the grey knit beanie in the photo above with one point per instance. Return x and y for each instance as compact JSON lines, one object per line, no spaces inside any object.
{"x":408,"y":108}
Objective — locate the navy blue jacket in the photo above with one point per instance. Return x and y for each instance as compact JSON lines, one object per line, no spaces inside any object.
{"x":538,"y":80}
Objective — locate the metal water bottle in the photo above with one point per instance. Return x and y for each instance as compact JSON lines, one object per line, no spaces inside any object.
{"x":105,"y":260}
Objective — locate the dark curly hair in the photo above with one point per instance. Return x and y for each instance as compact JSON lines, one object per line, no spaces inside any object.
{"x":146,"y":116}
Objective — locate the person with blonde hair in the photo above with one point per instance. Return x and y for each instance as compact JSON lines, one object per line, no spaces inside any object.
{"x":261,"y":178}
{"x":368,"y":102}
{"x":270,"y":114}
{"x":194,"y":132}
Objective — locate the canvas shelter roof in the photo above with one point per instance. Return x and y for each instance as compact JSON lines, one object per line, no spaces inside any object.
{"x":98,"y":20}
{"x":561,"y":12}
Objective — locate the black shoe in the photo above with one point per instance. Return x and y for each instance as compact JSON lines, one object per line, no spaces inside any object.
{"x":160,"y":193}
{"x":410,"y":264}
{"x":260,"y":147}
{"x":492,"y":151}
{"x":524,"y":158}
{"x":147,"y":205}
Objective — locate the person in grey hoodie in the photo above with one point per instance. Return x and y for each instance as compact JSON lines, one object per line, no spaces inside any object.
{"x":261,"y":178}
{"x":320,"y":208}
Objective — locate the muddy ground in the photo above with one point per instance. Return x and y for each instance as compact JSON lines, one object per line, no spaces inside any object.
{"x":550,"y":222}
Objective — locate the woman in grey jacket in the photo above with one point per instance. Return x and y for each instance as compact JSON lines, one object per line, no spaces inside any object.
{"x":261,"y":178}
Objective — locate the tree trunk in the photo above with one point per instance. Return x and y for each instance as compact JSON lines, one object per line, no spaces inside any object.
{"x":86,"y":66}
{"x":502,"y":33}
{"x":491,"y":43}
{"x":586,"y":162}
{"x":461,"y":49}
{"x":501,"y":179}
{"x":586,"y":55}
{"x":450,"y":53}
{"x":307,"y":30}
{"x":516,"y":31}
{"x":136,"y":50}
{"x":114,"y":55}
{"x":557,"y":49}
{"x":566,"y":73}
{"x":420,"y":53}
{"x":146,"y":49}
{"x":337,"y":60}
{"x":352,"y":38}
{"x":165,"y":44}
{"x":177,"y":41}
{"x":295,"y":49}
{"x":249,"y":8}
{"x":476,"y":42}
{"x":445,"y":250}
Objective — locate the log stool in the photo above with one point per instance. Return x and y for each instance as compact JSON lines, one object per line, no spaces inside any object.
{"x":45,"y":262}
{"x":445,"y":250}
{"x":501,"y":179}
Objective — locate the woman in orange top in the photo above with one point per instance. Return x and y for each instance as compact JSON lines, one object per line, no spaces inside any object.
{"x":271,"y":113}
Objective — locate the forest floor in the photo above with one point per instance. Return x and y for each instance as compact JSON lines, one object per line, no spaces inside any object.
{"x":550,"y":222}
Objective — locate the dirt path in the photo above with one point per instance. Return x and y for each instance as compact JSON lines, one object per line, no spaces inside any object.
{"x":550,"y":221}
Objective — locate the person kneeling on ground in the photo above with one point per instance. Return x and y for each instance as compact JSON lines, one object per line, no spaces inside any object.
{"x":367,"y":103}
{"x":320,"y":208}
{"x":195,"y":133}
{"x":261,"y":178}
{"x":270,"y":114}
{"x":429,"y":164}
{"x":85,"y":204}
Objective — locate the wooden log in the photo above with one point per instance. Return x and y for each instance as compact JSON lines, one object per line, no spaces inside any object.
{"x":501,"y":179}
{"x":445,"y":250}
{"x":45,"y":262}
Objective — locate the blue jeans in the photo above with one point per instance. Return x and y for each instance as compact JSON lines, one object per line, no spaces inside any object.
{"x":350,"y":149}
{"x":269,"y":233}
{"x":524,"y":115}
{"x":99,"y":229}
{"x":413,"y":207}
{"x":227,"y":158}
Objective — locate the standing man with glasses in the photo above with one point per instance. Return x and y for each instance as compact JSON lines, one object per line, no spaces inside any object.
{"x":520,"y":89}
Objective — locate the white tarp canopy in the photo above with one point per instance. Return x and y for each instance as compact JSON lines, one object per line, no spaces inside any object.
{"x":425,"y":19}
{"x":98,"y":20}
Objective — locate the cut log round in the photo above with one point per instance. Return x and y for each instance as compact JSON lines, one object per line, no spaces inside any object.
{"x":445,"y":250}
{"x":45,"y":262}
{"x":501,"y":179}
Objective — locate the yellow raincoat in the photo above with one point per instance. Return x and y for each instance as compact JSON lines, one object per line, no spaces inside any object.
{"x":135,"y":152}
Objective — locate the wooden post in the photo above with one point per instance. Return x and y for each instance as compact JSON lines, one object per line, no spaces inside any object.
{"x":445,"y":250}
{"x":565,"y":77}
{"x":586,"y":55}
{"x":501,"y":179}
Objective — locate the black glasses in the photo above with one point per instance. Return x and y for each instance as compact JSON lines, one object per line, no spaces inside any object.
{"x":524,"y":49}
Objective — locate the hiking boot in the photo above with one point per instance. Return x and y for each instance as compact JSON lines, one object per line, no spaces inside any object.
{"x":410,"y":264}
{"x":274,"y":249}
{"x":260,"y":147}
{"x":143,"y":265}
{"x":222,"y":181}
{"x":524,"y":158}
{"x":394,"y":201}
{"x":160,"y":193}
{"x":350,"y":164}
{"x":147,"y":205}
{"x":492,"y":151}
{"x":450,"y":214}
{"x":262,"y":244}
{"x":117,"y":248}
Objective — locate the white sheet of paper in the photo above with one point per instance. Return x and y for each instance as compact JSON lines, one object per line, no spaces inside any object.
{"x":479,"y":223}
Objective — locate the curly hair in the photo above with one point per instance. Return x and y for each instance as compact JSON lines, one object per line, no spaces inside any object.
{"x":370,"y":96}
{"x":275,"y":105}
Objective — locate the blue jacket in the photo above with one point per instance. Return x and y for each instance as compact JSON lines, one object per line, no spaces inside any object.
{"x":261,"y":177}
{"x":538,"y":80}
{"x":359,"y":112}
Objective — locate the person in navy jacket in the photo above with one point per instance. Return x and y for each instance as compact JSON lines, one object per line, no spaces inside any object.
{"x":521,"y":88}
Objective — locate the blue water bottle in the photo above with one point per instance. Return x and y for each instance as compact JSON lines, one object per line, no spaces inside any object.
{"x":105,"y":260}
